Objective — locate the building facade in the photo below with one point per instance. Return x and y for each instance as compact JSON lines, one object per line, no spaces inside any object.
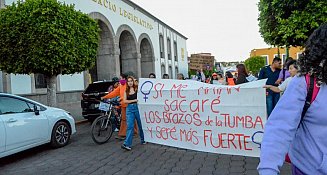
{"x":131,"y":40}
{"x":270,"y":53}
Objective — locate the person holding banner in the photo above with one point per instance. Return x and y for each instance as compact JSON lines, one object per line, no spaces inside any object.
{"x":286,"y":131}
{"x":132,"y":113}
{"x":292,"y":69}
{"x":119,"y":91}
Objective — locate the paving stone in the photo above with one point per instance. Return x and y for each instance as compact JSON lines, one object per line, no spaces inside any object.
{"x":221,"y":171}
{"x":176,"y":173}
{"x":206,"y":172}
{"x":162,"y":172}
{"x":207,"y":169}
{"x":251,"y":172}
{"x":236,"y":173}
{"x":250,"y":166}
{"x":237,"y":169}
{"x":237,"y":163}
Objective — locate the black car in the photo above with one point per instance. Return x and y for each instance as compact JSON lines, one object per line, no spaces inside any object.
{"x":91,"y":96}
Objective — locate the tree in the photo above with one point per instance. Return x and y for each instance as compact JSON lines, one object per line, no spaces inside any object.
{"x":254,"y":64}
{"x":299,"y":18}
{"x":290,"y":22}
{"x":46,"y":37}
{"x":268,"y":23}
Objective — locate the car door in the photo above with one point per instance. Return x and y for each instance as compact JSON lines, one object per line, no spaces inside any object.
{"x":23,"y":127}
{"x":2,"y":135}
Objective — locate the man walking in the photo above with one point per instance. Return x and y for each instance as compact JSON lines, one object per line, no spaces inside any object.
{"x":271,"y":72}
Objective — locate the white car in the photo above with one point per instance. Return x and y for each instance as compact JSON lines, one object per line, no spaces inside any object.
{"x":25,"y":124}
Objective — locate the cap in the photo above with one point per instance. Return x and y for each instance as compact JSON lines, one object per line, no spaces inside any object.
{"x":214,"y":74}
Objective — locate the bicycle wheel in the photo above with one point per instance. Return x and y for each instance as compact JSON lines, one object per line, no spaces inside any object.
{"x":101,"y":130}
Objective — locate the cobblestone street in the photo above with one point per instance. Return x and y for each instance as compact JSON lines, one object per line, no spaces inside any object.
{"x":83,"y":156}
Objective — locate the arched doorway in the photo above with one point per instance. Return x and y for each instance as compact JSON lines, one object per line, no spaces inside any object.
{"x":128,"y":53}
{"x":104,"y":68}
{"x":147,"y":60}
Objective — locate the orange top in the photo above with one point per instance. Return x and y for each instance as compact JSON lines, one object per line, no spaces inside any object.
{"x":230,"y":82}
{"x":119,"y":91}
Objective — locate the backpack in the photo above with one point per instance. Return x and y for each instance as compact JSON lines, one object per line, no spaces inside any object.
{"x":312,"y":92}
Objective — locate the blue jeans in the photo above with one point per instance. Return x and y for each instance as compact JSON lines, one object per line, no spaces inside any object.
{"x":271,"y":100}
{"x":132,"y":113}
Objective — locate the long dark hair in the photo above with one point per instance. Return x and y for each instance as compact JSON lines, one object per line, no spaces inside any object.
{"x":128,"y":89}
{"x":241,"y":70}
{"x":313,"y":60}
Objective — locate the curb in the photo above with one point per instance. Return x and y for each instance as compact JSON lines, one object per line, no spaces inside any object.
{"x":81,"y":122}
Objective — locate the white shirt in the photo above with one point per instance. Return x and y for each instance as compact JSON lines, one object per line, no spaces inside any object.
{"x":284,"y":85}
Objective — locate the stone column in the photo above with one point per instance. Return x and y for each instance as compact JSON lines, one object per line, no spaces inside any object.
{"x":116,"y":60}
{"x":138,"y":64}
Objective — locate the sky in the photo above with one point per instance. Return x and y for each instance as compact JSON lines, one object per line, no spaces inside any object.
{"x":226,"y":28}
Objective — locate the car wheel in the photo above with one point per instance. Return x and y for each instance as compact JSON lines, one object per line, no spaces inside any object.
{"x":60,"y":135}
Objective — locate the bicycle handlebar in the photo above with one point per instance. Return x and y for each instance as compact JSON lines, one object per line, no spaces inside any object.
{"x":111,"y":101}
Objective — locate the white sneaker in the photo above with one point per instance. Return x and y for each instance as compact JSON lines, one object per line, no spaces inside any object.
{"x":126,"y":147}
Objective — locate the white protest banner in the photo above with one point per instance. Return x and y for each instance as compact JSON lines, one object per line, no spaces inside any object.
{"x":204,"y":117}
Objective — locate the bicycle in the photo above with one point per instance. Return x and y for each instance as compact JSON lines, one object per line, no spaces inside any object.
{"x":102,"y":127}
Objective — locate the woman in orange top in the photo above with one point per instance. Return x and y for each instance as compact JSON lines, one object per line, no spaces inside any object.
{"x":120,"y":91}
{"x":230,"y":79}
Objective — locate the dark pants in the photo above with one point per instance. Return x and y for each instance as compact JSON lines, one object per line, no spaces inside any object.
{"x":271,"y":100}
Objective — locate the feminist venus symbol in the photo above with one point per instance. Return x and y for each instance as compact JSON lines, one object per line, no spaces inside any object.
{"x":254,"y":140}
{"x":146,"y":93}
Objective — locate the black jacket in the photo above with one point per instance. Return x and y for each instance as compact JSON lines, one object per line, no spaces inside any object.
{"x":241,"y":78}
